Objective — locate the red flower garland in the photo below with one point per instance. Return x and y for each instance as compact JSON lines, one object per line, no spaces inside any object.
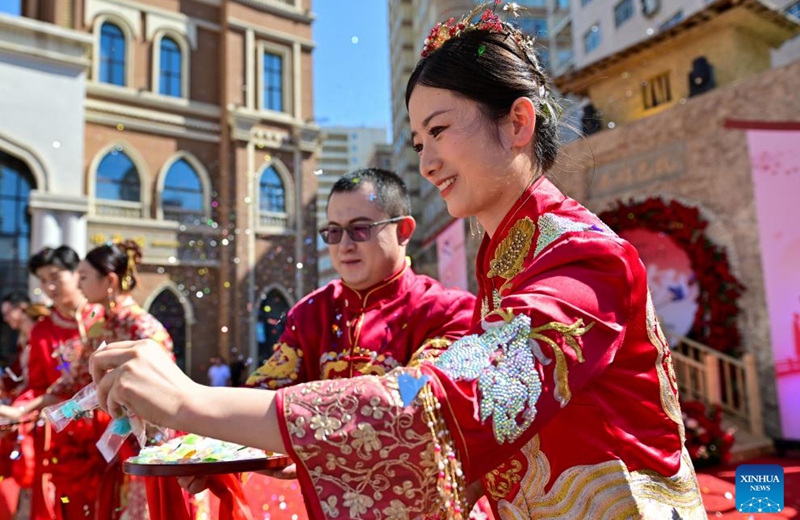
{"x":715,"y":323}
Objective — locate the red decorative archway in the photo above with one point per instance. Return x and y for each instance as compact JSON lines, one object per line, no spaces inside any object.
{"x":715,"y":323}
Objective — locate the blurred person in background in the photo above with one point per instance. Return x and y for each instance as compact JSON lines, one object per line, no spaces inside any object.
{"x":63,"y":470}
{"x":107,"y":276}
{"x":219,"y":373}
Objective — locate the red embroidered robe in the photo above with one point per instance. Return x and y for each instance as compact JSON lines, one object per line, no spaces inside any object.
{"x":562,"y":397}
{"x":52,"y":342}
{"x":338,"y":332}
{"x":121,"y":494}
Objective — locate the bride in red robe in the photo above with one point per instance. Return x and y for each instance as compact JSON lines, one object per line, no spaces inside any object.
{"x":561,"y":399}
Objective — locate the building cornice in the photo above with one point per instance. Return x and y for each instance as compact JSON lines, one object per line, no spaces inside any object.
{"x":153,"y":100}
{"x":307,"y":137}
{"x":180,"y":17}
{"x":280,"y":9}
{"x":145,"y":224}
{"x":46,"y":42}
{"x":58,"y":202}
{"x":282,"y":37}
{"x":150,"y":121}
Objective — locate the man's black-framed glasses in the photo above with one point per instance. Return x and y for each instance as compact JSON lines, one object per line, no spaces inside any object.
{"x":358,"y":232}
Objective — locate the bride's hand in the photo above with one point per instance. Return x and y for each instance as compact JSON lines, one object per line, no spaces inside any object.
{"x":140,"y":377}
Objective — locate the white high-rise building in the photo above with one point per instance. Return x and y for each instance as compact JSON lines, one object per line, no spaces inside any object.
{"x":344,"y":149}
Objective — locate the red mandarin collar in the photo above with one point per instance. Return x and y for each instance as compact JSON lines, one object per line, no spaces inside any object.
{"x":88,"y":312}
{"x":387,"y":289}
{"x":527,"y":205}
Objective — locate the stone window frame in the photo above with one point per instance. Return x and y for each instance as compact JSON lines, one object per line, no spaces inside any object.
{"x":186,"y":54}
{"x":128,"y":33}
{"x":271,"y":223}
{"x":285,"y":53}
{"x":202,"y":174}
{"x":118,"y":208}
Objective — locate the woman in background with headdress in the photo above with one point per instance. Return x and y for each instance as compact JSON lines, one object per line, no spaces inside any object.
{"x":107,"y":276}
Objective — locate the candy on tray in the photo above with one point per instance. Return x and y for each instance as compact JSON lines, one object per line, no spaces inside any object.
{"x":192,"y":449}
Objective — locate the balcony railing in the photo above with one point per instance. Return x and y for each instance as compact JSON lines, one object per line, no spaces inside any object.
{"x":118,"y":208}
{"x":185,"y":216}
{"x":714,"y":378}
{"x":272,"y":219}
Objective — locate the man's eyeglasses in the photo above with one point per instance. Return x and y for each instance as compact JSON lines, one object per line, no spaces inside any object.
{"x":358,"y":232}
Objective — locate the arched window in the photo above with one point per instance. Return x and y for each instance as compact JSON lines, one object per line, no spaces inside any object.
{"x":271,"y":322}
{"x":112,"y":54}
{"x":16,"y":183}
{"x":271,"y":199}
{"x":170,"y":65}
{"x":167,"y":308}
{"x":118,"y":188}
{"x":182,"y":198}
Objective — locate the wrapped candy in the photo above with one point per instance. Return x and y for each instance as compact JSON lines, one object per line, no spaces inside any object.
{"x":191,"y":449}
{"x":61,"y":414}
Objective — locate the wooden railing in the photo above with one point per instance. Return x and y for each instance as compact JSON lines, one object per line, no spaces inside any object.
{"x":714,"y":378}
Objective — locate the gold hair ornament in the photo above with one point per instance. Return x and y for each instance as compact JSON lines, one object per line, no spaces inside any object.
{"x":130,"y":271}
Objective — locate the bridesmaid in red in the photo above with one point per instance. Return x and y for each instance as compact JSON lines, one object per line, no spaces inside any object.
{"x":107,"y":276}
{"x":55,"y":341}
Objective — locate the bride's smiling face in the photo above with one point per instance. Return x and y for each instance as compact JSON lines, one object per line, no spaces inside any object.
{"x":459,"y":151}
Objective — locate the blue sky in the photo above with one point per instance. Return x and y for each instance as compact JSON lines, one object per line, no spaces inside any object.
{"x":351,"y":62}
{"x":351,"y":80}
{"x":9,"y":6}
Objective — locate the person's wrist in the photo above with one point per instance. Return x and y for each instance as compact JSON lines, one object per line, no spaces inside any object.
{"x":189,"y":410}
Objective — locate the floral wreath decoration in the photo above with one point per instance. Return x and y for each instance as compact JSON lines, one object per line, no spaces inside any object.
{"x":718,"y":309}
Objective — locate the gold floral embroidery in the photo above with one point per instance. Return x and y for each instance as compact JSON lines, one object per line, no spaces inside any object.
{"x":569,"y":332}
{"x":496,"y":303}
{"x":499,"y":483}
{"x":664,"y":368}
{"x":279,"y":369}
{"x":512,"y":251}
{"x":335,"y":365}
{"x":374,"y":454}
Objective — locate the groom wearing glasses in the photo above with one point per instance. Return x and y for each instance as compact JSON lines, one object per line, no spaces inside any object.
{"x":380,"y":314}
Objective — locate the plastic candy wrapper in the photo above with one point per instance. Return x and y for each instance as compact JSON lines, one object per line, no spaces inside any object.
{"x":61,"y":414}
{"x":192,"y":449}
{"x":116,"y":433}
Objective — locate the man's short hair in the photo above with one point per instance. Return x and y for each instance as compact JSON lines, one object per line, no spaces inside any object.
{"x":17,"y":298}
{"x":63,"y":257}
{"x":391,"y":193}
